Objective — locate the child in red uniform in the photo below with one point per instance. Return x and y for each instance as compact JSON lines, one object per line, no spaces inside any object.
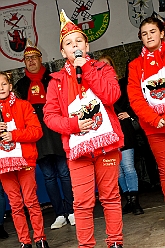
{"x":146,"y":84}
{"x":18,"y":156}
{"x":84,"y":115}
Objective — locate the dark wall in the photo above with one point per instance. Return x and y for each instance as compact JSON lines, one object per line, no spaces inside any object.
{"x":120,"y":56}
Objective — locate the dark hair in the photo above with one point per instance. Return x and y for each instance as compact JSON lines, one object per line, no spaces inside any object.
{"x":9,"y":78}
{"x":151,"y":20}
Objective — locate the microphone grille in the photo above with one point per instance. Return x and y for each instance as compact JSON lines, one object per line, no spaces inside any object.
{"x":78,"y":53}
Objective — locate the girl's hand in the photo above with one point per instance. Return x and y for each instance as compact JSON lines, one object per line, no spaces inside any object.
{"x":85,"y":125}
{"x":80,"y":61}
{"x":3,"y":126}
{"x":161,"y":123}
{"x":6,"y":136}
{"x":123,"y":115}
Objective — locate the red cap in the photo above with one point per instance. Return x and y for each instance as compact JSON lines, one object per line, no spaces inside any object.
{"x":30,"y":48}
{"x":68,"y":27}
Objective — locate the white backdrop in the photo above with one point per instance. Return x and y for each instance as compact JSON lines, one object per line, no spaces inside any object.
{"x":46,"y":23}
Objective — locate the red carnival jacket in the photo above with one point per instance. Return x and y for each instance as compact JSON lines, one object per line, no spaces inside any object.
{"x":148,"y":118}
{"x":28,"y":129}
{"x":101,"y":78}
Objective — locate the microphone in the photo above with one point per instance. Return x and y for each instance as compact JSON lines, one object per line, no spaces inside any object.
{"x":78,"y":53}
{"x":2,"y":120}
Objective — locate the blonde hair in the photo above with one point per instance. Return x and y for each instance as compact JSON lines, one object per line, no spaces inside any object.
{"x":110,"y":60}
{"x":9,"y":78}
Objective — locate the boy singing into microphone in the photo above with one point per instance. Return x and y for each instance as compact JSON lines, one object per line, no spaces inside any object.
{"x":91,"y":134}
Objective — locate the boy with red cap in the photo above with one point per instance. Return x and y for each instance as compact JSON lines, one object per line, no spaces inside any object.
{"x":83,"y":113}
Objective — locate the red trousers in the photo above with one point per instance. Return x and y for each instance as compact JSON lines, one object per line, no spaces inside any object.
{"x":157,"y":144}
{"x":85,"y":174}
{"x":20,"y":186}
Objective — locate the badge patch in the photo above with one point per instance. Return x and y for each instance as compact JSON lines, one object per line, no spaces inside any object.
{"x":92,"y":110}
{"x":157,"y":88}
{"x":7,"y":146}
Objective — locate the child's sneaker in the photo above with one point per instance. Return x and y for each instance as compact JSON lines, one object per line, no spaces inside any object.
{"x":116,"y":246}
{"x":42,"y":244}
{"x":26,"y":245}
{"x":71,"y":219}
{"x":59,"y":222}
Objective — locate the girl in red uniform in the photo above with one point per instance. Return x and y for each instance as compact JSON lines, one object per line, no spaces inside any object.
{"x":82,"y":111}
{"x":146,"y":88}
{"x":19,"y":131}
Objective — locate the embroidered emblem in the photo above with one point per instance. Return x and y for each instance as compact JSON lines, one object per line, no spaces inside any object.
{"x":92,"y":110}
{"x":84,"y":94}
{"x":59,"y":86}
{"x":7,"y":115}
{"x":28,"y":168}
{"x":35,"y":89}
{"x":7,"y":146}
{"x":109,"y":162}
{"x":157,"y":88}
{"x":153,"y":62}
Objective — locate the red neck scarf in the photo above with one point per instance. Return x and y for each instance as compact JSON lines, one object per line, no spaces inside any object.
{"x":152,"y":61}
{"x":36,"y":93}
{"x":5,"y":105}
{"x":36,"y":76}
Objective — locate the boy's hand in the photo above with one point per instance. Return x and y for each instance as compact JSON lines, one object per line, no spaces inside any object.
{"x":3,"y":126}
{"x":161,"y":123}
{"x":85,"y":125}
{"x":123,"y":115}
{"x":6,"y":136}
{"x":79,"y":61}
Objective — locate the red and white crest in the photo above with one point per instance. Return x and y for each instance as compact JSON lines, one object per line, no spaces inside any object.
{"x":17,"y":24}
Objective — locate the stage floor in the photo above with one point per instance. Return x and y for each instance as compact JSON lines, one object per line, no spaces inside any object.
{"x":145,"y":231}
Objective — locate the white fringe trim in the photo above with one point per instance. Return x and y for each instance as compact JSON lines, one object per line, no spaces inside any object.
{"x":160,"y":108}
{"x":12,"y":164}
{"x":89,"y":146}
